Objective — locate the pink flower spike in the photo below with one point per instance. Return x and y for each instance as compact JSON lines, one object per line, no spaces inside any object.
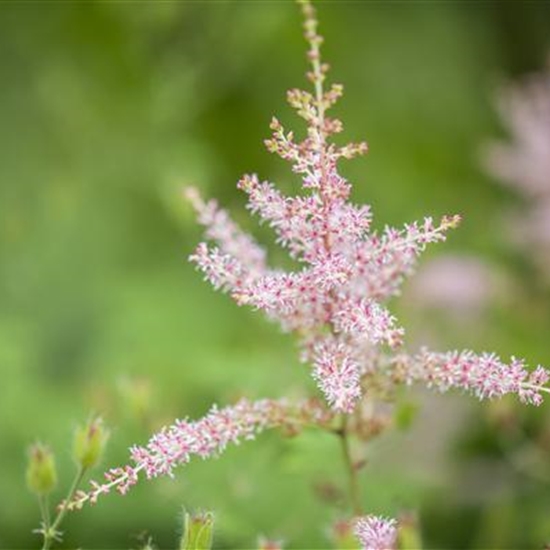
{"x":484,"y":375}
{"x":230,"y":238}
{"x":207,"y":437}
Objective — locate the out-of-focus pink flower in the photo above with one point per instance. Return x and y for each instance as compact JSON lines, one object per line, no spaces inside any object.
{"x":523,"y":161}
{"x":462,"y":286}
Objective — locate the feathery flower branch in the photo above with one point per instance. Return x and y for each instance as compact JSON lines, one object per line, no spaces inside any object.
{"x":485,"y":375}
{"x":207,"y":437}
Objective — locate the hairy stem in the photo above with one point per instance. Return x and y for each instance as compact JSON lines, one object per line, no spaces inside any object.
{"x":50,"y":531}
{"x":44,"y":511}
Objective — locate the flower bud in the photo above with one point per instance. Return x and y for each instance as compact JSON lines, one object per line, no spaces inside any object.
{"x":342,"y":535}
{"x":89,"y":443}
{"x":197,"y":531}
{"x":136,"y":396}
{"x":148,"y":545}
{"x":268,"y":544}
{"x":41,"y":471}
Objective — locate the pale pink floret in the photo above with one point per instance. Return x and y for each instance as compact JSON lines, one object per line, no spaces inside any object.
{"x":367,"y":319}
{"x":376,"y":533}
{"x":337,"y":374}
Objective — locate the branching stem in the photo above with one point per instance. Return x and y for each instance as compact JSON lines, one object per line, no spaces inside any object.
{"x":50,"y":531}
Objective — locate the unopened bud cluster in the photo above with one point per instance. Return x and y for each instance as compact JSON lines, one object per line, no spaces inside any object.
{"x":197,"y":531}
{"x":89,"y":443}
{"x":41,"y":470}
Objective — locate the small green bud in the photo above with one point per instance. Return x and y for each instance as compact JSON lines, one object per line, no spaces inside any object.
{"x":136,"y":395}
{"x":197,"y":531}
{"x":409,"y":536}
{"x":41,"y":471}
{"x":267,"y":544}
{"x":89,"y":443}
{"x":148,"y":545}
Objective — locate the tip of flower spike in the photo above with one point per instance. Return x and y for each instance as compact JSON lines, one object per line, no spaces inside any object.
{"x":275,"y":125}
{"x":268,"y":544}
{"x":240,"y":298}
{"x":192,"y":195}
{"x":189,"y":192}
{"x":247,"y":182}
{"x":354,"y":149}
{"x":451,"y":222}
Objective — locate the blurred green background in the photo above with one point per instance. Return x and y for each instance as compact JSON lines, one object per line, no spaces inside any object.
{"x":107,"y":109}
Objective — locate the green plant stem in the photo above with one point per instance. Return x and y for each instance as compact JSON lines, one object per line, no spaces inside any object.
{"x":44,"y":511}
{"x":353,"y":480}
{"x":50,"y":533}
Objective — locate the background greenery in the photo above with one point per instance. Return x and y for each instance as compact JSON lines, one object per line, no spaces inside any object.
{"x":107,"y":109}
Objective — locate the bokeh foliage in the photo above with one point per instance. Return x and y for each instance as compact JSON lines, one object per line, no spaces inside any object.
{"x":107,"y":110}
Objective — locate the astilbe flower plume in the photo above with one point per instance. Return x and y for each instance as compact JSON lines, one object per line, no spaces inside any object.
{"x":346,"y":271}
{"x":334,"y":300}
